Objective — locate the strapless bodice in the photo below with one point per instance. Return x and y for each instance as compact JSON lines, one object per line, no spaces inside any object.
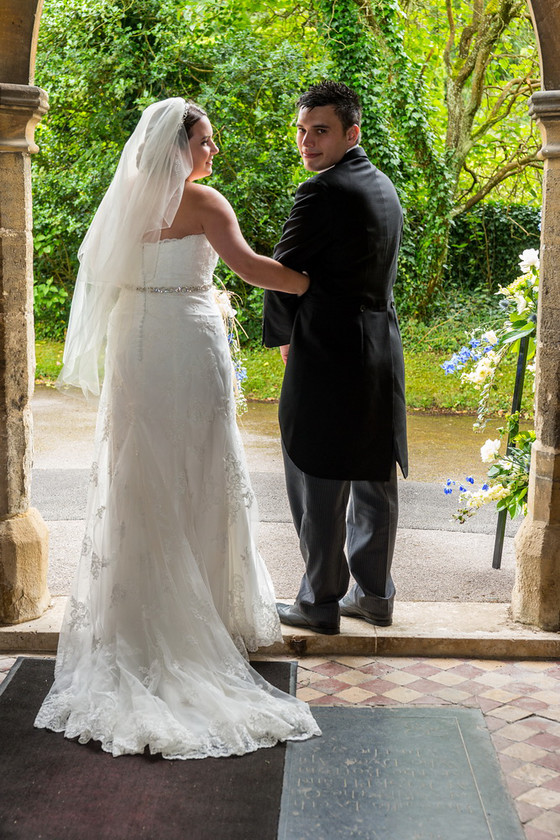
{"x":179,"y":263}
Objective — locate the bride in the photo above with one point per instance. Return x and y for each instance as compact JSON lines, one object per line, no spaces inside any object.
{"x":170,"y":591}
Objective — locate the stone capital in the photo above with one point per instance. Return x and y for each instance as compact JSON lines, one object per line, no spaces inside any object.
{"x":21,"y":108}
{"x":544,"y":107}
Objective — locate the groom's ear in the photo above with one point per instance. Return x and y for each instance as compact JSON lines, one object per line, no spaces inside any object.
{"x":353,"y":135}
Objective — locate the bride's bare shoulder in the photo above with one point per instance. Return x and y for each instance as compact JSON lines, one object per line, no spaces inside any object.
{"x":204,"y":198}
{"x":207,"y":199}
{"x":200,"y":206}
{"x":201,"y":192}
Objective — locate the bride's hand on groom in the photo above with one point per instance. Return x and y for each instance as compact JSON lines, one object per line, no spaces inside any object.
{"x":219,"y":223}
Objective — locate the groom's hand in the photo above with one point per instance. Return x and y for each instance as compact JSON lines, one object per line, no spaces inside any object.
{"x":284,"y":350}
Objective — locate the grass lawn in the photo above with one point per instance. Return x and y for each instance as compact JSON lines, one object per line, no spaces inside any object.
{"x":49,"y":361}
{"x":427,"y":386}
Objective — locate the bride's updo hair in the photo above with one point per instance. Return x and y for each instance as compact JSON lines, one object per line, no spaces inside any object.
{"x":193,"y":113}
{"x":150,"y":148}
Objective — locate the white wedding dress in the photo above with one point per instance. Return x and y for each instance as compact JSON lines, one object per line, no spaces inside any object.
{"x":170,"y":591}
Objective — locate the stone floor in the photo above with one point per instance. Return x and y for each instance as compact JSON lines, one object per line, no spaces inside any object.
{"x":520,"y":701}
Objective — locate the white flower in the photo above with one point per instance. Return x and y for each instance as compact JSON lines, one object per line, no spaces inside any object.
{"x":224,"y":304}
{"x":497,"y":492}
{"x":490,"y":450}
{"x":490,"y":337}
{"x":528,"y":258}
{"x":481,"y":372}
{"x":531,"y":370}
{"x":520,"y":302}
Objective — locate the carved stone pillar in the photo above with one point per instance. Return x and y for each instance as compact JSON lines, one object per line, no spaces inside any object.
{"x":23,"y":534}
{"x":536,"y":595}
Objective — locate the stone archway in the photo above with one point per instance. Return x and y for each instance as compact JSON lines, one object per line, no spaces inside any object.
{"x":23,"y":537}
{"x":536,"y":595}
{"x":23,"y":534}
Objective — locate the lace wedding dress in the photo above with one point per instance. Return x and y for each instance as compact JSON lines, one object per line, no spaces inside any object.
{"x":170,"y":589}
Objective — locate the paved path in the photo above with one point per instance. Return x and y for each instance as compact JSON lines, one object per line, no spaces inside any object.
{"x":436,"y":559}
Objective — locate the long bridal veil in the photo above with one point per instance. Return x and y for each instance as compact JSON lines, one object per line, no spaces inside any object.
{"x":142,"y":199}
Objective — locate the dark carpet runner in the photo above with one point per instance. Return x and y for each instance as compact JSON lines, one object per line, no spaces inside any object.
{"x":55,"y":789}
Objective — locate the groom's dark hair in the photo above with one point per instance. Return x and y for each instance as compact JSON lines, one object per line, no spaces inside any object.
{"x":346,"y":103}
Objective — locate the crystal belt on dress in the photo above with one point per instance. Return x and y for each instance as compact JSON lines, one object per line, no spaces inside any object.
{"x":176,"y":290}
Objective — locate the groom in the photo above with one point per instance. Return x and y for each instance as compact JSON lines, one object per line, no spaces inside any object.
{"x":342,"y":407}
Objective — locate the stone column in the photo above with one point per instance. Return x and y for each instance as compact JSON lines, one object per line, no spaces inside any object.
{"x":536,"y":595}
{"x":23,"y":534}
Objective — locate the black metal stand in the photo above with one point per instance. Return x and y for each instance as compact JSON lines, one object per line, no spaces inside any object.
{"x":515,"y":406}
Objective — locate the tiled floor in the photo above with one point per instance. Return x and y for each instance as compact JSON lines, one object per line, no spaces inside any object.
{"x":520,"y":702}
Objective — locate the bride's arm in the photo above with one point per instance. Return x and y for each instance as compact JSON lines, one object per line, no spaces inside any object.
{"x":222,"y":230}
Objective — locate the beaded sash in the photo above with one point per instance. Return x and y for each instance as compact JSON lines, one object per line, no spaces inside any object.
{"x":176,"y":290}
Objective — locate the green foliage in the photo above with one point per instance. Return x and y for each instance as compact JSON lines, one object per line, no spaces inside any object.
{"x":445,"y":113}
{"x":480,"y":363}
{"x":265,"y":372}
{"x":100,"y":63}
{"x":429,"y":389}
{"x":485,"y":243}
{"x":250,"y":95}
{"x":103,"y":61}
{"x":512,"y":472}
{"x":459,"y":315}
{"x":51,"y":307}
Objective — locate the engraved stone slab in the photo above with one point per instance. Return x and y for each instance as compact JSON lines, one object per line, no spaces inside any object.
{"x":396,"y":774}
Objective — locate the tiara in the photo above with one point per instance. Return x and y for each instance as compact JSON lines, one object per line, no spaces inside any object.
{"x":185,"y":110}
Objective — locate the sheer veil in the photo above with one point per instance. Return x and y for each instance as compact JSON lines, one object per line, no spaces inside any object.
{"x":142,"y":198}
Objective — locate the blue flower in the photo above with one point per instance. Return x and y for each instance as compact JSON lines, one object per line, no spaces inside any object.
{"x":485,"y":487}
{"x":474,"y":342}
{"x":458,"y":360}
{"x":470,"y":479}
{"x":462,"y":489}
{"x":448,"y":490}
{"x":240,"y":371}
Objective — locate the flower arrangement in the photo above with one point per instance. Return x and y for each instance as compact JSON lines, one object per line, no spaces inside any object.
{"x":224,"y":300}
{"x":508,"y":474}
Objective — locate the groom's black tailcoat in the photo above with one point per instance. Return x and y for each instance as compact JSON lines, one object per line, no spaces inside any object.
{"x":342,"y":408}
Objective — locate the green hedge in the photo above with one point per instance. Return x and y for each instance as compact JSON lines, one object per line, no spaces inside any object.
{"x":485,"y":245}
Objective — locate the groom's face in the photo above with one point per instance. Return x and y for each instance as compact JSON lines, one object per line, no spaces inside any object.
{"x":321,"y":139}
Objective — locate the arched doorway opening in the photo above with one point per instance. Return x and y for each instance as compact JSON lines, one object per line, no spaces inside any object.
{"x":23,"y":536}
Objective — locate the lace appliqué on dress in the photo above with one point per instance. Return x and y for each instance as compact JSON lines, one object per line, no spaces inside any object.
{"x":239,"y":491}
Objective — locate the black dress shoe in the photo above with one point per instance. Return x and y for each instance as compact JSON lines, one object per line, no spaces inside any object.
{"x":293,"y":616}
{"x":352,"y":610}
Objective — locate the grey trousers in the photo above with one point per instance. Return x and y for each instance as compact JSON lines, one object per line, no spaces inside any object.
{"x":328,"y":513}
